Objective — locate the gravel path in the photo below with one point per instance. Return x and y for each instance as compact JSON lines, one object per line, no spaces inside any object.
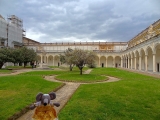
{"x":16,"y":72}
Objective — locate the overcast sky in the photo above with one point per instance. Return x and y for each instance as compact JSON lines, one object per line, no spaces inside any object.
{"x":82,"y":20}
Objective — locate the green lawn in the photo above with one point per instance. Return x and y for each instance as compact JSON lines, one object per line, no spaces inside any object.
{"x":19,"y":91}
{"x":16,"y":92}
{"x":18,"y":67}
{"x":42,"y":73}
{"x":134,"y":97}
{"x":76,"y":77}
{"x":4,"y":71}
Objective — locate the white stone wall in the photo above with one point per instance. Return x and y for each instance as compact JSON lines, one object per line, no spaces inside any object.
{"x":14,"y":32}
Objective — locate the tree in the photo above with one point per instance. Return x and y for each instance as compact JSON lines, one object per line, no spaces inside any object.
{"x":16,"y":58}
{"x":68,"y":58}
{"x":27,"y":55}
{"x":19,"y":55}
{"x":79,"y":58}
{"x":5,"y":56}
{"x":83,"y":57}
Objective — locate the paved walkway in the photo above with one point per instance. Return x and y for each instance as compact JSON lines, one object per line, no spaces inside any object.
{"x":16,"y":72}
{"x":64,"y":94}
{"x":62,"y":97}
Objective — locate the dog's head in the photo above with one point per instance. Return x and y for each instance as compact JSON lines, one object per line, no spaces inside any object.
{"x":45,"y":98}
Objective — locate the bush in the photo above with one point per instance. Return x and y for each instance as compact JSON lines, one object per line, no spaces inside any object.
{"x":92,"y":66}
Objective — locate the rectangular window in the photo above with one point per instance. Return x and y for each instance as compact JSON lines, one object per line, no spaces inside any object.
{"x":2,"y":43}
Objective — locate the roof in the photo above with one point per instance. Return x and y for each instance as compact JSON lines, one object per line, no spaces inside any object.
{"x":1,"y":17}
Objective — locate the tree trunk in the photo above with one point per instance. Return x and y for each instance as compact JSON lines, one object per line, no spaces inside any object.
{"x":25,"y":64}
{"x":81,"y":71}
{"x":80,"y":68}
{"x":70,"y":67}
{"x":1,"y":64}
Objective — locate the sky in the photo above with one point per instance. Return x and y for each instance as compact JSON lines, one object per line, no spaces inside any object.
{"x":50,"y":21}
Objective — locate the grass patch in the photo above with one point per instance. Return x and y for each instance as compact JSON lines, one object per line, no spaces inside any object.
{"x":134,"y":97}
{"x":17,"y":67}
{"x":74,"y":77}
{"x":4,"y":71}
{"x":67,"y":68}
{"x":16,"y":92}
{"x":43,"y":73}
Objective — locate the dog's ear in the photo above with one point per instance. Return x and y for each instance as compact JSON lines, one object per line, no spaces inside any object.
{"x":52,"y":95}
{"x":39,"y":96}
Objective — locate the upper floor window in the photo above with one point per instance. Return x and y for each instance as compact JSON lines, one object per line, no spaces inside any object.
{"x":2,"y":43}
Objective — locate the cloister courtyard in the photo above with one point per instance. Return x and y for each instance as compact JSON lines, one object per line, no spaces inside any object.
{"x":98,"y":94}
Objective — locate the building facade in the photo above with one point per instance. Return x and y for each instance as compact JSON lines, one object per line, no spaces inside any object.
{"x":11,"y":32}
{"x":140,"y":53}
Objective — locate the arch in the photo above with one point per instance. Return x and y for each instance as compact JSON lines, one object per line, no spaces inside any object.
{"x":149,"y":53}
{"x":50,"y":60}
{"x":157,"y":57}
{"x":142,"y":54}
{"x":141,"y":50}
{"x":117,"y":61}
{"x":56,"y":60}
{"x":155,"y":48}
{"x":132,"y":60}
{"x":103,"y":61}
{"x":148,"y":48}
{"x":110,"y":61}
{"x":38,"y":59}
{"x":136,"y":59}
{"x":129,"y":55}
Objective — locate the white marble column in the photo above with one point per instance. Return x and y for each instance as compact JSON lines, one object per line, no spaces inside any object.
{"x":121,"y":63}
{"x":140,"y":62}
{"x":40,"y":64}
{"x":131,"y":63}
{"x":128,"y":64}
{"x":146,"y":63}
{"x":106,"y":63}
{"x":53,"y":61}
{"x":113,"y":64}
{"x":46,"y":59}
{"x":154,"y":63}
{"x":135,"y":63}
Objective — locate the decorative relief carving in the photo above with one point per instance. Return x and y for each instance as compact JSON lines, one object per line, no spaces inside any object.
{"x":106,"y":47}
{"x":152,"y":31}
{"x":40,"y":48}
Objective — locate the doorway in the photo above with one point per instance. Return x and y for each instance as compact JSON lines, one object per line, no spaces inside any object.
{"x":102,"y":64}
{"x":157,"y":67}
{"x":116,"y":65}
